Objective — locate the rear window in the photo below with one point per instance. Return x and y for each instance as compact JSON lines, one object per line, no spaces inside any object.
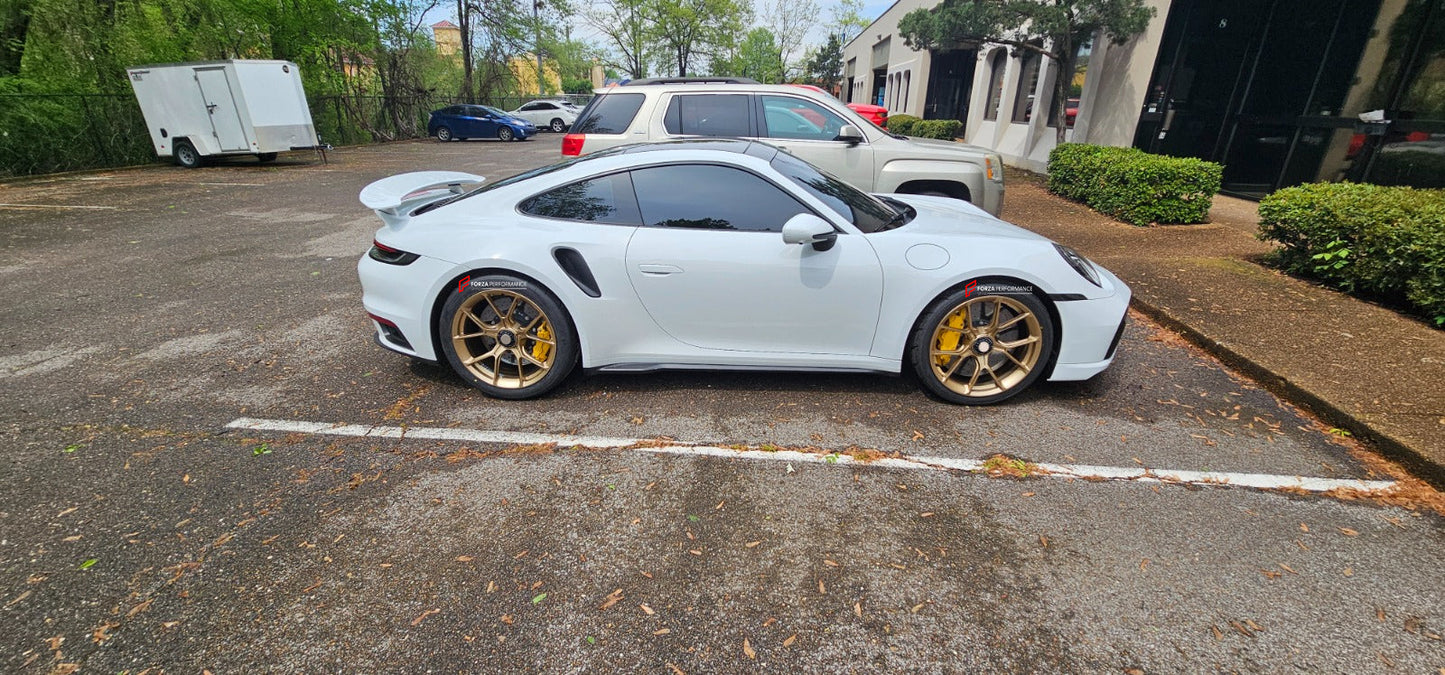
{"x":609,"y":114}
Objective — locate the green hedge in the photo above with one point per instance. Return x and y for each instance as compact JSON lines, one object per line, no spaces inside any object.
{"x":901,"y":124}
{"x":1134,"y":186}
{"x":1385,"y":241}
{"x":945,"y":130}
{"x":909,"y":125}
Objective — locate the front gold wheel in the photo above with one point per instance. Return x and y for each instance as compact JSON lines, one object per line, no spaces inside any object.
{"x":986,"y":346}
{"x":982,"y":349}
{"x":504,"y":339}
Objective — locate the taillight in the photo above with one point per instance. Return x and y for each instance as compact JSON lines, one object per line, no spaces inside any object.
{"x":391,"y":256}
{"x":572,"y":144}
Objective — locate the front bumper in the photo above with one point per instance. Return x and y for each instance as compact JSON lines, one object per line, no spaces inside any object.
{"x":1090,"y":330}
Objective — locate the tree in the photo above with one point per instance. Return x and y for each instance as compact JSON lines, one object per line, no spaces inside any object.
{"x":1051,"y":28}
{"x":625,"y":25}
{"x":789,"y":22}
{"x":756,"y":57}
{"x":824,"y":65}
{"x":848,"y":19}
{"x":683,"y":29}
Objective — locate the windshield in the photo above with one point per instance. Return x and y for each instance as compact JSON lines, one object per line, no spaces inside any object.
{"x":494,"y":111}
{"x":866,"y":212}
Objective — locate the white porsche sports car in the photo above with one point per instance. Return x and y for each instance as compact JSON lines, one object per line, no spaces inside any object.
{"x":723,"y":254}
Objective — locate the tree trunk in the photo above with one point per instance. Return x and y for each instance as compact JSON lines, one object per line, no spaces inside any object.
{"x":1067,"y":52}
{"x":13,"y":31}
{"x":465,"y":29}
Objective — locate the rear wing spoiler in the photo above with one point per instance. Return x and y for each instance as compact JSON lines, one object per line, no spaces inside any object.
{"x":396,"y":197}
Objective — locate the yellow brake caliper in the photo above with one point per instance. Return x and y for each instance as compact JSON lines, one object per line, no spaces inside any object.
{"x":949,"y":339}
{"x":540,"y":350}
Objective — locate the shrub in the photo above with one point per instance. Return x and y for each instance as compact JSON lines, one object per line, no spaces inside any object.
{"x":1386,"y":241}
{"x":902,"y":124}
{"x":941,"y":129}
{"x":909,"y":125}
{"x":1134,"y":186}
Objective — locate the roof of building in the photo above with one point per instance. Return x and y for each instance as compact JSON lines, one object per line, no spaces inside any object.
{"x":444,"y":24}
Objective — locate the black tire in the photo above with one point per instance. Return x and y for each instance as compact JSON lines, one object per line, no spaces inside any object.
{"x":266,"y":157}
{"x":493,"y":321}
{"x":444,"y":134}
{"x":995,"y":372}
{"x":186,"y":155}
{"x":505,"y":134}
{"x":936,"y":193}
{"x":557,"y":125}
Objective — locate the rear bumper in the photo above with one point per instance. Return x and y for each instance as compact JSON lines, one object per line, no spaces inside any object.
{"x":403,"y":295}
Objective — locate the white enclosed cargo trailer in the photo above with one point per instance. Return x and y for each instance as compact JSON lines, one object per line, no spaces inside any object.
{"x":237,"y":107}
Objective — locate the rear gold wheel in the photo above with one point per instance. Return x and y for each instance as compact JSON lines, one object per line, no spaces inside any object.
{"x":981,"y":349}
{"x":507,"y":337}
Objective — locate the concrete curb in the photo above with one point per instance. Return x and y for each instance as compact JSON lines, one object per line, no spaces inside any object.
{"x":1412,"y":460}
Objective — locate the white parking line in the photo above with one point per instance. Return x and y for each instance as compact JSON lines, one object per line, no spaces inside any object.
{"x":1086,"y":472}
{"x":57,"y":206}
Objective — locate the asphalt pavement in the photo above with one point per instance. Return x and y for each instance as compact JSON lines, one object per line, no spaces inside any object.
{"x":148,"y":309}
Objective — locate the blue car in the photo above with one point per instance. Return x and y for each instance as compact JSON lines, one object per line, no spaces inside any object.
{"x":460,"y":122}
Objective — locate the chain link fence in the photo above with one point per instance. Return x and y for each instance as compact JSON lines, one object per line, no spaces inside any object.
{"x":49,"y":133}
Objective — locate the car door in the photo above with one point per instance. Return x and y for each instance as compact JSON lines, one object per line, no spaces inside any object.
{"x":806,"y":128}
{"x":712,"y":270}
{"x":482,"y":123}
{"x":532,"y":112}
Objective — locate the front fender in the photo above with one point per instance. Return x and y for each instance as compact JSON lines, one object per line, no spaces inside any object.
{"x":900,"y":171}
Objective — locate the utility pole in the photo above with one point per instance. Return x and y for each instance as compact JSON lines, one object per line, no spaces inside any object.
{"x":537,"y":26}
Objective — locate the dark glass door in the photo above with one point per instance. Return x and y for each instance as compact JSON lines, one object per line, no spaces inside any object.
{"x":1206,"y":47}
{"x":1256,"y":86}
{"x":950,"y":82}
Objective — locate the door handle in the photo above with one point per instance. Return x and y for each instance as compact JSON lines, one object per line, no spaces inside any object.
{"x":655,"y":270}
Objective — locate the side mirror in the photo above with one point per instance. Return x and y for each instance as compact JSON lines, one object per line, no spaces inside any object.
{"x":806,"y":228}
{"x":849,"y":134}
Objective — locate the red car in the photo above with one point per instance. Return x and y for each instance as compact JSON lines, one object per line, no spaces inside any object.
{"x":876,"y":114}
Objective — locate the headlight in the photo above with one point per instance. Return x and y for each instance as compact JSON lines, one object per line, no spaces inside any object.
{"x":1080,"y":264}
{"x":993,"y":167}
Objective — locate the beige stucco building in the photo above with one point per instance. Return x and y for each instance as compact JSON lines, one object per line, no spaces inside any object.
{"x":992,"y":91}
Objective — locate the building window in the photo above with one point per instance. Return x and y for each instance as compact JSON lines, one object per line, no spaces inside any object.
{"x":998,"y":62}
{"x":907,"y":80}
{"x":1076,"y":86}
{"x":1028,"y":81}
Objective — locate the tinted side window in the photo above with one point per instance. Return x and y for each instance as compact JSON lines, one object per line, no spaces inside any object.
{"x":712,"y":197}
{"x":609,"y":114}
{"x":531,"y":106}
{"x":708,"y":115}
{"x":604,"y":200}
{"x":452,"y":110}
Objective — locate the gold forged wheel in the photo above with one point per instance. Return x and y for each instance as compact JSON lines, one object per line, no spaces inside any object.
{"x":986,"y":348}
{"x":506,"y":342}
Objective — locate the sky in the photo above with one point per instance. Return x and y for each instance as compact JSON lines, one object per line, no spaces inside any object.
{"x":871,"y":10}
